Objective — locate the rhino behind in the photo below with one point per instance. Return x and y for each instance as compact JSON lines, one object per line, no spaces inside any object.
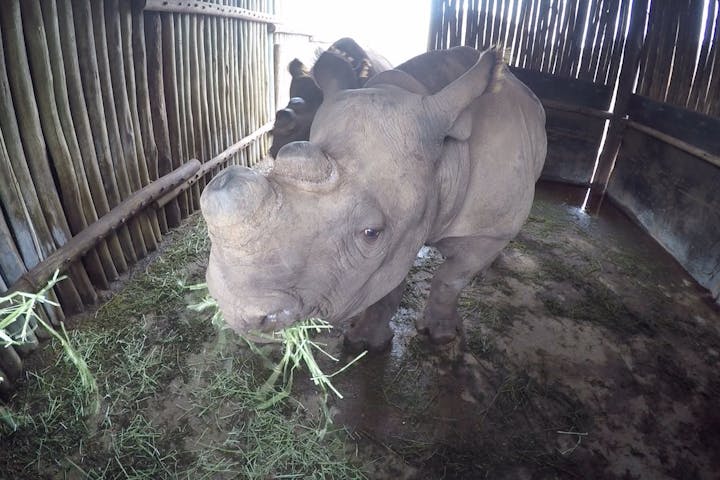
{"x":445,"y":151}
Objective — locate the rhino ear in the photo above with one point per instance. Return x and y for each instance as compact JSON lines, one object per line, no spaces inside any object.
{"x":333,"y":73}
{"x":297,"y":68}
{"x":398,"y":78}
{"x":446,"y":107}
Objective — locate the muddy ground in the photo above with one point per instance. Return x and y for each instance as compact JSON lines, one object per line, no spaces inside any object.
{"x":588,"y":353}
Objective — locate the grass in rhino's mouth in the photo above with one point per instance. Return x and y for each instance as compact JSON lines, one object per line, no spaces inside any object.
{"x":299,"y":350}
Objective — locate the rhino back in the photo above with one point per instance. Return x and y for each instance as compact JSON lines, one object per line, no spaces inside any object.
{"x":438,"y":68}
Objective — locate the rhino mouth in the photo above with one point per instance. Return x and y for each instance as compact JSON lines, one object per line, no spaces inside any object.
{"x":256,"y":319}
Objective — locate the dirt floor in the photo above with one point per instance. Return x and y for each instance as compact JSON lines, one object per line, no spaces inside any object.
{"x":588,"y":353}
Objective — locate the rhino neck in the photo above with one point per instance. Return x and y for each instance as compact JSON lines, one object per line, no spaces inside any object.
{"x":451,"y":183}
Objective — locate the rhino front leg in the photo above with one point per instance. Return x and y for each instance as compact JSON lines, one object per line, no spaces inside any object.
{"x":465,"y":258}
{"x":371,"y":329}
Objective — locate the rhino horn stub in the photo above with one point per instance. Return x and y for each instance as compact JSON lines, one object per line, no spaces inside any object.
{"x":304,"y":165}
{"x":448,"y":104}
{"x":236,"y":196}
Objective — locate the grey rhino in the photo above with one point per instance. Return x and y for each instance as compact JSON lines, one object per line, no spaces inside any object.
{"x":443,"y":151}
{"x":293,"y":122}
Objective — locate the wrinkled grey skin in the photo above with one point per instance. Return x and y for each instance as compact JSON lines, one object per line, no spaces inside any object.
{"x":443,"y":151}
{"x":293,"y":122}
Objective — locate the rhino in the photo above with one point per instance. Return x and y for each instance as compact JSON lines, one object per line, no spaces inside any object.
{"x":444,"y":150}
{"x":293,"y":122}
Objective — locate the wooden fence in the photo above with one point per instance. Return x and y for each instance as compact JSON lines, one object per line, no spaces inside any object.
{"x":634,"y":84}
{"x":572,"y":38}
{"x":98,"y":100}
{"x":680,"y":63}
{"x":585,"y":39}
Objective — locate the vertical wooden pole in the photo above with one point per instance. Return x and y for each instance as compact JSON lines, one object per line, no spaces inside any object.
{"x":81,"y":122}
{"x":33,"y":143}
{"x":153,"y":32}
{"x":628,"y":71}
{"x":94,"y":101}
{"x":111,"y":118}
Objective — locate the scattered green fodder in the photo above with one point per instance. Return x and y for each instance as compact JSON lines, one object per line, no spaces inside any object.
{"x":19,"y":318}
{"x":175,"y":401}
{"x":263,"y":442}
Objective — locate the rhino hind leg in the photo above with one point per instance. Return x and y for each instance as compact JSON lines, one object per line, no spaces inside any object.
{"x":465,"y":258}
{"x":371,"y":329}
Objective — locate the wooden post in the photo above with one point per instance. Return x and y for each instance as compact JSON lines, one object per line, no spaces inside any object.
{"x":624,"y":93}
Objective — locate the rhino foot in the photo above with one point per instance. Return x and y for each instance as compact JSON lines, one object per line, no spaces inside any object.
{"x":439,"y":328}
{"x":371,"y":329}
{"x":373,"y":341}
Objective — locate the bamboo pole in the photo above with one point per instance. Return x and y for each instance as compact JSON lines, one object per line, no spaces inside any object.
{"x":233,"y":81}
{"x":575,"y":51}
{"x":33,"y":144}
{"x":13,"y":268}
{"x":81,"y":121}
{"x":223,"y":66}
{"x":565,"y":41}
{"x":618,"y":46}
{"x":111,"y":120}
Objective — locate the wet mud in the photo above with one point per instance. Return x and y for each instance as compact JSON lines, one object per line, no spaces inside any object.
{"x":588,"y":353}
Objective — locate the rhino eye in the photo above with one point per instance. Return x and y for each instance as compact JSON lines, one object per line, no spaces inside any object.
{"x":371,"y":234}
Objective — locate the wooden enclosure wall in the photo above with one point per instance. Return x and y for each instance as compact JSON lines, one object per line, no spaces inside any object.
{"x":650,"y":70}
{"x":100,"y":98}
{"x":568,"y":51}
{"x":680,"y":64}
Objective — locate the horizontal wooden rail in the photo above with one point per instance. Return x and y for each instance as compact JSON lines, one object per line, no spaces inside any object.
{"x":590,"y":112}
{"x":675,"y":142}
{"x":214,"y":163}
{"x":81,"y":243}
{"x":207,"y":8}
{"x":663,"y":137}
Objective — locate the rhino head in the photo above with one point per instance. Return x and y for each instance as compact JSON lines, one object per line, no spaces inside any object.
{"x":336,"y":224}
{"x":293,"y":122}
